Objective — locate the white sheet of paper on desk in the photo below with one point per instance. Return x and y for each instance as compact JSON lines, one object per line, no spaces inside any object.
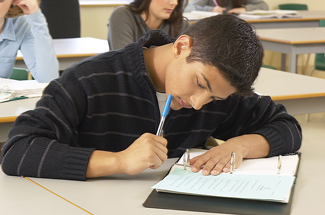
{"x":26,"y":88}
{"x":260,"y":166}
{"x":262,"y":187}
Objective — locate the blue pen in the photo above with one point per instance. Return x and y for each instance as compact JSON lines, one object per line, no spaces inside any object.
{"x":164,"y":114}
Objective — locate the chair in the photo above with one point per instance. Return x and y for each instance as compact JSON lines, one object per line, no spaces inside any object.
{"x":319,"y":58}
{"x":293,"y":7}
{"x":19,"y":74}
{"x":63,"y":17}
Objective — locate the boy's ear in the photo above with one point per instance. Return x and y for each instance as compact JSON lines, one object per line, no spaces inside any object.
{"x":183,"y":43}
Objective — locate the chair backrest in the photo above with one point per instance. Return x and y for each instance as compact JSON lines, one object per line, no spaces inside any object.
{"x":293,"y":7}
{"x":320,"y":57}
{"x":63,"y":17}
{"x":19,"y":74}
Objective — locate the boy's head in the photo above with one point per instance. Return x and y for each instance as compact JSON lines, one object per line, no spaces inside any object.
{"x":229,"y":44}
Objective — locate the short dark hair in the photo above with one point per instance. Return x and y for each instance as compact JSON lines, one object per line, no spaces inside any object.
{"x":175,"y":19}
{"x":230,"y":44}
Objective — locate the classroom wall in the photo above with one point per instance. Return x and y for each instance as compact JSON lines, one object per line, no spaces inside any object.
{"x":94,"y":21}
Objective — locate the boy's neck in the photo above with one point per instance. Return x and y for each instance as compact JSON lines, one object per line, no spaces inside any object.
{"x":156,"y":60}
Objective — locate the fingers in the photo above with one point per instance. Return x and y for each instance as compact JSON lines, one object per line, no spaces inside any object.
{"x":213,"y":162}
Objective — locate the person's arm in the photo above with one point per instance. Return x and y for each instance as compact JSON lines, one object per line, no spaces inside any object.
{"x":148,"y":151}
{"x":255,"y":128}
{"x":256,"y":5}
{"x":44,"y":142}
{"x":121,"y":28}
{"x":37,"y":46}
{"x":203,"y":5}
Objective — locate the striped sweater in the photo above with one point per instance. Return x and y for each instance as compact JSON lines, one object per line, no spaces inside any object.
{"x":106,"y":102}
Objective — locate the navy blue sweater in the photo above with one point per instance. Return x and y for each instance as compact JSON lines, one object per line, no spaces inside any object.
{"x":106,"y":102}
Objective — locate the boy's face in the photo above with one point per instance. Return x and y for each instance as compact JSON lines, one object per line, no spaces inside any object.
{"x":194,"y":84}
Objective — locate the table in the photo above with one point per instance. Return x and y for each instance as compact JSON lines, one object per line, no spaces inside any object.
{"x":72,"y":50}
{"x":293,"y":41}
{"x":124,"y":194}
{"x":300,"y":94}
{"x":307,"y":19}
{"x":9,"y":112}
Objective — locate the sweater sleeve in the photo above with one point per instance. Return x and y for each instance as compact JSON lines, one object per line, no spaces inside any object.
{"x":256,"y":5}
{"x":43,"y":142}
{"x":203,"y":5}
{"x":37,"y":49}
{"x":259,"y":115}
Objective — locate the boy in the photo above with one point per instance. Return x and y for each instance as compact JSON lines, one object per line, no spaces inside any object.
{"x":99,"y":118}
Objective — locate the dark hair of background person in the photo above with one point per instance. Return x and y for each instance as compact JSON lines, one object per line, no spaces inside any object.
{"x":175,"y":19}
{"x":229,"y":44}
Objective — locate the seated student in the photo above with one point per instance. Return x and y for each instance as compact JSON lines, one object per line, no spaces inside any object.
{"x":230,"y":6}
{"x":100,"y":117}
{"x":30,"y":35}
{"x":128,"y":23}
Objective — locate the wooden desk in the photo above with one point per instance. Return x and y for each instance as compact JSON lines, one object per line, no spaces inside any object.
{"x":307,"y":19}
{"x":293,"y":41}
{"x":72,"y":50}
{"x":124,"y":194}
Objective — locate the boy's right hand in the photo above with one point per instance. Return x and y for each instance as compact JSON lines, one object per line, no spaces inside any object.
{"x":148,"y":151}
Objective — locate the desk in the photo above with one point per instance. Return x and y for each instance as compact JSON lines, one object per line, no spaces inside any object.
{"x":300,"y":94}
{"x":293,"y":41}
{"x":20,"y":196}
{"x":307,"y":19}
{"x":124,"y":194}
{"x":72,"y":50}
{"x":9,"y":112}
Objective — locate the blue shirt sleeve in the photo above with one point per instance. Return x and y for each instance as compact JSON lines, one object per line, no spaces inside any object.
{"x":37,"y":49}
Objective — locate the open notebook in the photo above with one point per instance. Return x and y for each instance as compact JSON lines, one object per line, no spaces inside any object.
{"x":266,"y":14}
{"x":254,"y":179}
{"x":13,"y":89}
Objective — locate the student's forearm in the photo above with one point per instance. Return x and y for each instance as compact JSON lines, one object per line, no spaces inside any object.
{"x":102,"y":163}
{"x":253,"y":145}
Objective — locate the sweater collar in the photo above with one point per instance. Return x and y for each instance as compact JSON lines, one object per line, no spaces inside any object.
{"x":134,"y":52}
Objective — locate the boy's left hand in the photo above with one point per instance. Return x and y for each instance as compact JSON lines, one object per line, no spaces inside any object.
{"x":217,"y":159}
{"x":28,"y":6}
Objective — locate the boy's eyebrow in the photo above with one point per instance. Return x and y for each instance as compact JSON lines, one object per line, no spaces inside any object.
{"x":209,"y":86}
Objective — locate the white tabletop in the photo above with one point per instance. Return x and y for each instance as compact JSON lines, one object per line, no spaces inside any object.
{"x":124,"y":194}
{"x":77,"y":47}
{"x":293,"y":35}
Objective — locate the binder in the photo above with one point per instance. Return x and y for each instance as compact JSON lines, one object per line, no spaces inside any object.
{"x":198,"y":203}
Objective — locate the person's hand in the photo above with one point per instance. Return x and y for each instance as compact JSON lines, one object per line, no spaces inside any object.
{"x":28,"y":6}
{"x":217,"y":159}
{"x":148,"y":151}
{"x":218,"y":9}
{"x":237,"y":10}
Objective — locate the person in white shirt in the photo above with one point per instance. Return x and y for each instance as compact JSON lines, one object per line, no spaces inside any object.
{"x":23,"y":27}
